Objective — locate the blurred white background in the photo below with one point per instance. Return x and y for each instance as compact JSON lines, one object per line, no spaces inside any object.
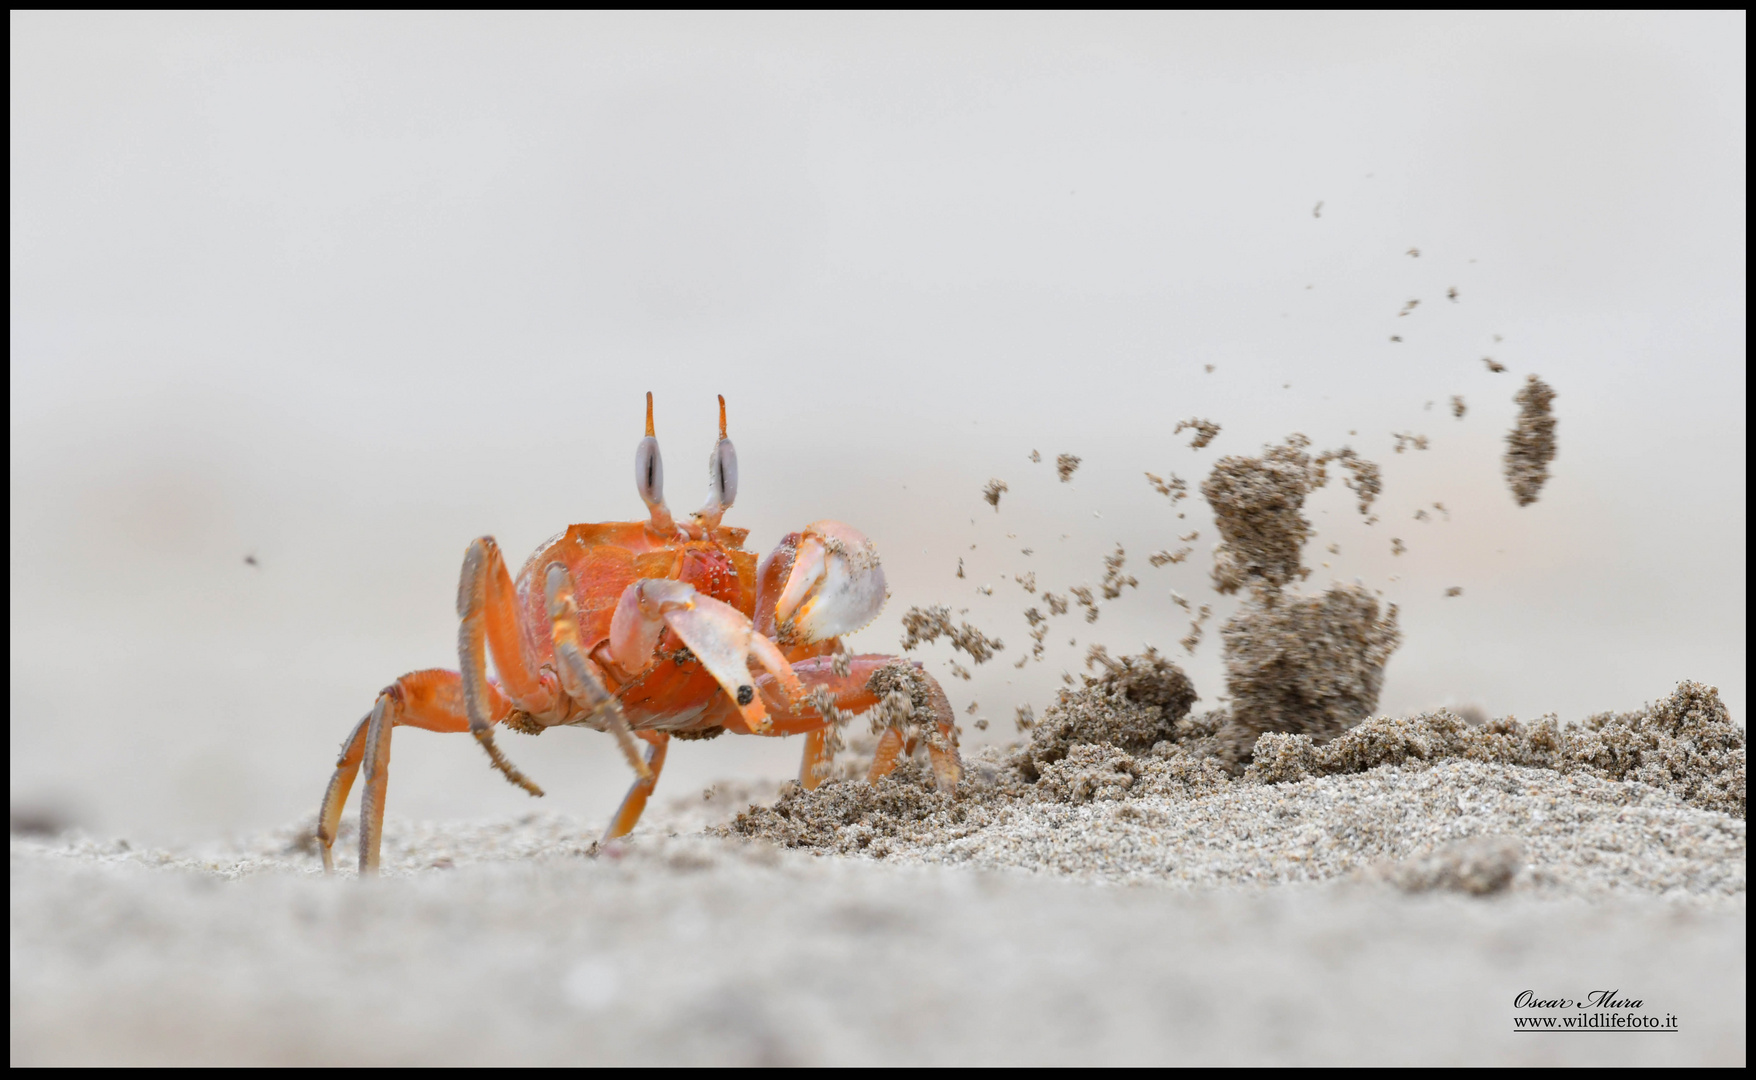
{"x":342,"y":292}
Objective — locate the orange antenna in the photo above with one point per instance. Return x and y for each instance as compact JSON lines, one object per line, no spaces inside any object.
{"x":649,"y":413}
{"x":722,"y":416}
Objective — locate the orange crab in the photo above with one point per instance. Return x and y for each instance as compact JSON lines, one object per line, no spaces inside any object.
{"x":653,"y":629}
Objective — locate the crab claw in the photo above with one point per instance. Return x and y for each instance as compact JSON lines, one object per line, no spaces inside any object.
{"x":721,"y":637}
{"x":836,"y":585}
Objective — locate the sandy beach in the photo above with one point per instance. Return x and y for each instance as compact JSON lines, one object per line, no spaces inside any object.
{"x":1118,"y":887}
{"x":1231,"y":927}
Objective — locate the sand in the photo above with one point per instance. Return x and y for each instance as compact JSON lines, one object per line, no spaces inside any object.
{"x":1381,"y":917}
{"x":1123,"y":888}
{"x":1120,"y":783}
{"x":1571,"y":836}
{"x":1530,"y":445}
{"x":501,"y":943}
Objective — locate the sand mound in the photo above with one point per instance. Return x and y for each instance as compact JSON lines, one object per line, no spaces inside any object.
{"x":1133,"y":705}
{"x":1468,"y":826}
{"x":1686,"y":745}
{"x":1120,"y":781}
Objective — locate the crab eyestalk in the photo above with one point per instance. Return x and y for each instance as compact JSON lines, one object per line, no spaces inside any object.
{"x":722,"y":476}
{"x":836,"y":585}
{"x":649,"y":477}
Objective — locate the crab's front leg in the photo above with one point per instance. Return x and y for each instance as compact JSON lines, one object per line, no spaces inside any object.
{"x":855,"y":684}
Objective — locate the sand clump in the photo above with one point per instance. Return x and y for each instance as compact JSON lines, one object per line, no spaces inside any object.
{"x":1256,"y":503}
{"x":991,"y":494}
{"x":927,"y":625}
{"x":1174,"y":488}
{"x":1530,"y":445}
{"x":848,"y":816}
{"x":1479,"y":865}
{"x":1114,"y":580}
{"x":1365,"y":479}
{"x":1205,"y":431}
{"x":1193,"y":637}
{"x":1169,"y":558}
{"x":1087,"y":772}
{"x":1309,"y":664}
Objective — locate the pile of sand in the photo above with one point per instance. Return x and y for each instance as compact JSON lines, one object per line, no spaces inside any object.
{"x":1537,"y":830}
{"x":1120,"y":782}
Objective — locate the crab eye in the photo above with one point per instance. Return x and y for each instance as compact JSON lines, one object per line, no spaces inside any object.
{"x":722,"y":473}
{"x":649,"y":472}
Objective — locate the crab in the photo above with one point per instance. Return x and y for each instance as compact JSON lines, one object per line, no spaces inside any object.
{"x":659,"y":629}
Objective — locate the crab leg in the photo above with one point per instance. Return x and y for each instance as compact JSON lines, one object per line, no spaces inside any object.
{"x":815,"y":761}
{"x":488,"y":614}
{"x":884,"y":758}
{"x":856,"y":691}
{"x":942,"y":738}
{"x":628,"y":814}
{"x":580,"y":677}
{"x":849,"y":692}
{"x":347,"y":767}
{"x":431,"y":699}
{"x":377,"y":770}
